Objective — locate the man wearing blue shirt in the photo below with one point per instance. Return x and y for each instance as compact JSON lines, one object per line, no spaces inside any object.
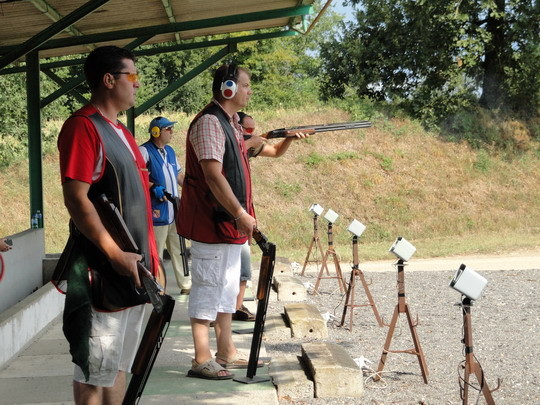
{"x":165,"y":176}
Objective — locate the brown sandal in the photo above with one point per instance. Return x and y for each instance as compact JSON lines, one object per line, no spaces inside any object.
{"x":237,"y":361}
{"x":208,"y":370}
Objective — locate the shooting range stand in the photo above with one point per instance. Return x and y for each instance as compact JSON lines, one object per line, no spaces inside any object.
{"x":472,"y":366}
{"x":401,"y":308}
{"x":349,"y":300}
{"x":315,"y":243}
{"x":324,"y":266}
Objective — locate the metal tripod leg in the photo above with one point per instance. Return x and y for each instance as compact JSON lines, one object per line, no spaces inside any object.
{"x":349,"y":300}
{"x":324,"y":266}
{"x":402,"y":307}
{"x":386,"y":347}
{"x":471,"y":365}
{"x":417,"y":350}
{"x":315,"y":243}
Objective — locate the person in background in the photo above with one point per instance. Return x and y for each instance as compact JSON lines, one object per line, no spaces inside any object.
{"x":256,"y":146}
{"x":165,"y":177}
{"x":99,"y":155}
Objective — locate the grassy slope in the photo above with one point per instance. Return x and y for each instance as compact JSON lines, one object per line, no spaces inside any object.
{"x":395,"y":178}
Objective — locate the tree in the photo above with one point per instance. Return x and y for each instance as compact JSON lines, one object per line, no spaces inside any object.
{"x":433,"y":57}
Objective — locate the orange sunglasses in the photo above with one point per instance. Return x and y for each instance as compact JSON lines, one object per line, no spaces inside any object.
{"x":132,"y":77}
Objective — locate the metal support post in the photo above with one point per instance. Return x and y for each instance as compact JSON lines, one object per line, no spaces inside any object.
{"x":349,"y":300}
{"x":402,"y":308}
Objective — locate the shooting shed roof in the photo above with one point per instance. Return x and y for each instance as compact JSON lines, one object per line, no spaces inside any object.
{"x":69,"y":27}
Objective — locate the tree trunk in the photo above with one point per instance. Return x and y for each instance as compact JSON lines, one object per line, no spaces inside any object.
{"x":493,"y":94}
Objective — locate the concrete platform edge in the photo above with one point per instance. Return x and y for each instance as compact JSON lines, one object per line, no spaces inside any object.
{"x":23,"y":322}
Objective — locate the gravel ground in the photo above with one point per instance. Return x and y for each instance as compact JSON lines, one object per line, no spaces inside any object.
{"x":505,"y":327}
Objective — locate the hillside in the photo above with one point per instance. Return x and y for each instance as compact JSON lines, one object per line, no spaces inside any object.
{"x":398,"y":180}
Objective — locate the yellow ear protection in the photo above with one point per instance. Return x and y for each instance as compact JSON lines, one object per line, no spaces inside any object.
{"x":228,"y":85}
{"x":155,"y":132}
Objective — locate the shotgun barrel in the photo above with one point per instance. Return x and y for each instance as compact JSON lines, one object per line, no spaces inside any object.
{"x":312,"y":129}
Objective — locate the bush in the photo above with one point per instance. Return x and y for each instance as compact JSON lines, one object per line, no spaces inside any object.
{"x":360,"y":108}
{"x":482,"y":128}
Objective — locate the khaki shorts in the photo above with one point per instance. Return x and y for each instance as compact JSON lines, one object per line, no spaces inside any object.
{"x":113,"y":344}
{"x":215,"y":277}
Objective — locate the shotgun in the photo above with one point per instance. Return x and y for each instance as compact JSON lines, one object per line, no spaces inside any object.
{"x":263,"y":296}
{"x":312,"y":129}
{"x":117,"y":228}
{"x":163,"y":304}
{"x":151,"y":343}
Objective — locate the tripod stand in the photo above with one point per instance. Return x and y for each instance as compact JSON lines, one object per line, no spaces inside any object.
{"x":315,"y":242}
{"x":324,"y":265}
{"x":471,"y":365}
{"x":401,"y":308}
{"x":349,"y":300}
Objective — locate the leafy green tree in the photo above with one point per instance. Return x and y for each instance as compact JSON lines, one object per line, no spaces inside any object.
{"x":434,"y":57}
{"x":160,"y":71}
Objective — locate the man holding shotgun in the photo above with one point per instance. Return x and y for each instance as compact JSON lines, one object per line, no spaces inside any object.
{"x":98,"y":155}
{"x":216,"y":213}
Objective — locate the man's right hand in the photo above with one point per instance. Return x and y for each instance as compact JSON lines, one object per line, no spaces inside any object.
{"x":245,"y":225}
{"x":125,"y":264}
{"x":159,"y":192}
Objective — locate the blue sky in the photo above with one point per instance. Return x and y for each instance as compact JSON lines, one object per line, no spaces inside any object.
{"x":337,"y":5}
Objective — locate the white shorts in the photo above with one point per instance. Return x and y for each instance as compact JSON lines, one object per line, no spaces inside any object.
{"x":113,"y":344}
{"x":215,"y":276}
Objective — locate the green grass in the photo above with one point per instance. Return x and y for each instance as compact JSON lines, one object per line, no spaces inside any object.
{"x":445,"y":197}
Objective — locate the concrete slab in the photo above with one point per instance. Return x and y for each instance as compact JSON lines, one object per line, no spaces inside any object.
{"x":275,"y":328}
{"x":290,"y":378}
{"x":283,"y":267}
{"x":334,"y":372}
{"x":289,"y":288}
{"x":306,"y":321}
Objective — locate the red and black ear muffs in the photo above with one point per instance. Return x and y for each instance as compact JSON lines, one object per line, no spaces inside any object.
{"x":229,"y":85}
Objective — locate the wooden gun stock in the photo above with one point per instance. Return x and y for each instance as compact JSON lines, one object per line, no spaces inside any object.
{"x":151,"y":343}
{"x":263,"y":295}
{"x":264,"y":277}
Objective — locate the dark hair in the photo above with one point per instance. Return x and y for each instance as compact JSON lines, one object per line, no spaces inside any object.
{"x":220,"y":74}
{"x":102,"y":60}
{"x":242,"y":116}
